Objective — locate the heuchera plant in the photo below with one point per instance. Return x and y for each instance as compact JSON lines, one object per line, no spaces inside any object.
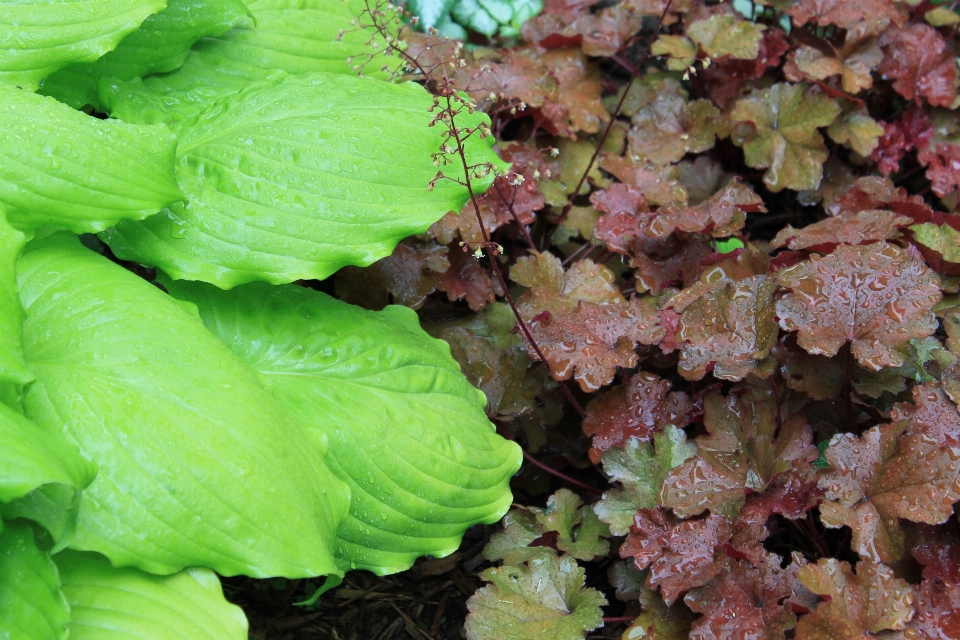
{"x":736,"y":232}
{"x":157,"y":432}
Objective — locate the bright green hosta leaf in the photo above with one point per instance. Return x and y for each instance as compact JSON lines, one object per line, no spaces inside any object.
{"x":61,"y":167}
{"x":292,"y":36}
{"x":786,"y":142}
{"x":296,"y":178}
{"x":31,"y":605}
{"x":117,"y":604}
{"x":32,"y":458}
{"x":12,"y":367}
{"x":544,"y":598}
{"x":160,"y":45}
{"x":407,"y":431}
{"x":199,"y":465}
{"x":640,"y":468}
{"x":37,"y":38}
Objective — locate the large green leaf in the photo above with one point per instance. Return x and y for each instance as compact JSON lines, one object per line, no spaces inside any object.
{"x":12,"y":367}
{"x":296,"y":178}
{"x":61,"y":167}
{"x":160,"y":45}
{"x":128,"y":604}
{"x":31,"y":605}
{"x":32,"y":458}
{"x":407,"y":431}
{"x":293,"y":36}
{"x":37,"y":37}
{"x":199,"y":465}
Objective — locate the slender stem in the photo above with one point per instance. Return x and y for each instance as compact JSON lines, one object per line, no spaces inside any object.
{"x":613,"y":119}
{"x":776,"y":398}
{"x":562,"y":476}
{"x":620,"y":619}
{"x":516,"y":218}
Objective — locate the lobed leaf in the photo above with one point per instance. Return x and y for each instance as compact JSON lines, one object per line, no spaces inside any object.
{"x":878,"y":478}
{"x":406,"y":431}
{"x":280,"y":177}
{"x":640,"y":469}
{"x":858,"y":604}
{"x":64,"y":168}
{"x":199,"y":465}
{"x":545,"y":597}
{"x":786,"y":142}
{"x":863,"y":227}
{"x":39,"y":38}
{"x":874,"y":297}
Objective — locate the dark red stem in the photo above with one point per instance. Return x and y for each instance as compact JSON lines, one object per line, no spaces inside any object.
{"x":562,"y":476}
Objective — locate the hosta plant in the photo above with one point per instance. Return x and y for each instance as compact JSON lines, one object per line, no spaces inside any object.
{"x":208,"y":415}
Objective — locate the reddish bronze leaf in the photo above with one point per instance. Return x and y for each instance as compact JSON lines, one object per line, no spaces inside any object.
{"x":519,"y":76}
{"x":578,"y":106}
{"x":660,"y":186}
{"x":721,"y":215}
{"x":853,"y":62}
{"x":625,"y":212}
{"x":552,"y":289}
{"x":874,"y":480}
{"x":744,"y":451}
{"x":681,"y":555}
{"x":745,"y":601}
{"x":856,"y":605}
{"x":932,"y":414}
{"x":940,"y":561}
{"x":406,"y":277}
{"x":864,"y":227}
{"x":727,"y":328}
{"x":921,"y":62}
{"x":847,"y":15}
{"x":938,"y":612}
{"x":791,"y":494}
{"x":637,"y":408}
{"x":670,"y":262}
{"x":725,"y":78}
{"x":466,"y":279}
{"x":670,"y":127}
{"x":943,"y":166}
{"x":874,"y":297}
{"x":591,"y":342}
{"x":819,"y":377}
{"x":912,"y":130}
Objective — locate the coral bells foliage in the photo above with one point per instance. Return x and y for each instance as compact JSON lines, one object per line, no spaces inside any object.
{"x":729,"y":249}
{"x":701,"y":259}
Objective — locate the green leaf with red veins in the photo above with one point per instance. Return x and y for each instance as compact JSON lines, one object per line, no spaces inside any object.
{"x":874,"y":480}
{"x":727,"y":327}
{"x":785,"y":141}
{"x":727,"y":35}
{"x":875,"y":297}
{"x":863,"y":227}
{"x":640,"y":468}
{"x":544,"y":598}
{"x":745,"y":601}
{"x":744,"y":449}
{"x":943,"y":244}
{"x":681,"y":555}
{"x":857,"y":605}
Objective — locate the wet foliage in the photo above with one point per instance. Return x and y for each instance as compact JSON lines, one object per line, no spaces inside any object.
{"x":716,"y":301}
